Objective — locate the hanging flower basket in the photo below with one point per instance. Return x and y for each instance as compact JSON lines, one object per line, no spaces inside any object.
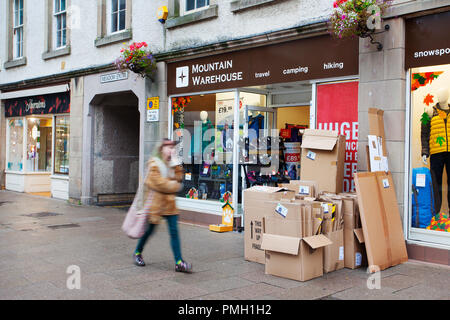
{"x":138,"y":59}
{"x":352,"y":18}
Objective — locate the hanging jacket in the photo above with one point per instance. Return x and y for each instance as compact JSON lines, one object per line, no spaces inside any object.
{"x":436,"y":133}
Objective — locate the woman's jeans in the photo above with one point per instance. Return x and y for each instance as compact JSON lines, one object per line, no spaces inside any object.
{"x":172,"y":222}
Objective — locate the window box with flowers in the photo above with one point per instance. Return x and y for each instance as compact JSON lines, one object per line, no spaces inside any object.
{"x":138,"y":59}
{"x":359,"y":18}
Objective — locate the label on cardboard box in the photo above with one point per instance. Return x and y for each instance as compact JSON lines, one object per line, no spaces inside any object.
{"x":281,"y":210}
{"x":325,"y":207}
{"x":420,"y":180}
{"x":311,"y":155}
{"x":341,"y":253}
{"x":385,"y":183}
{"x":303,"y":190}
{"x":358,"y":259}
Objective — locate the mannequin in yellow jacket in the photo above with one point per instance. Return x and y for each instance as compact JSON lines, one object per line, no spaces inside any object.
{"x":435,"y":142}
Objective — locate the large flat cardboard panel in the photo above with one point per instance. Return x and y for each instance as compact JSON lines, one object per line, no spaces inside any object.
{"x":393,"y":223}
{"x":380,"y":219}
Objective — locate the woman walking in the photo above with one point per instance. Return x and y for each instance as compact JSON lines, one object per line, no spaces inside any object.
{"x":161,"y":184}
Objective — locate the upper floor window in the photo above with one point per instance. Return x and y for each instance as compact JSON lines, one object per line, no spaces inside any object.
{"x":194,"y":5}
{"x":18,"y":29}
{"x":60,"y":18}
{"x":118,"y":15}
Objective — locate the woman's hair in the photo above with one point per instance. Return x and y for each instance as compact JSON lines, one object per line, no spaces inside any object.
{"x":157,"y":151}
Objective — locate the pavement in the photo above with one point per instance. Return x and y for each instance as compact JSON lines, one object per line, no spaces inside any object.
{"x":50,"y":249}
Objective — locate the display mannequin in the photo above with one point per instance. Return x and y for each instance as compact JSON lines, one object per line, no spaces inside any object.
{"x":435,"y":134}
{"x":442,"y":96}
{"x":204,"y":116}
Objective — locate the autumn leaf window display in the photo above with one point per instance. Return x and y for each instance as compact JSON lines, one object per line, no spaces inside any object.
{"x":137,"y":58}
{"x":440,"y":222}
{"x":178,"y":105}
{"x":354,"y":17}
{"x":422,"y":79}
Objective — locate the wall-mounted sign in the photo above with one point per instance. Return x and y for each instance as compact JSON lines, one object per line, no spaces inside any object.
{"x":153,"y":109}
{"x":117,"y":76}
{"x":304,"y":59}
{"x":45,"y":104}
{"x":427,"y":41}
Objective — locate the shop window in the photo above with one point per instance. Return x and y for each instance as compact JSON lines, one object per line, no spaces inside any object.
{"x":39,"y":144}
{"x":60,"y":17}
{"x":62,"y":132}
{"x":18,"y":29}
{"x":15,"y":147}
{"x":430,"y":152}
{"x":204,"y":126}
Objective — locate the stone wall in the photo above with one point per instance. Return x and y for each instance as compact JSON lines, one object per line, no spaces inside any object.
{"x":383,"y":86}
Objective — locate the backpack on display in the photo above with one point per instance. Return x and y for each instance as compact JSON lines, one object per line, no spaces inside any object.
{"x":423,"y":208}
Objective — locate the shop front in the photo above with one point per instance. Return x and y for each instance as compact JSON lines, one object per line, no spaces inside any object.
{"x":240,"y":116}
{"x":427,"y":60}
{"x":37,"y":144}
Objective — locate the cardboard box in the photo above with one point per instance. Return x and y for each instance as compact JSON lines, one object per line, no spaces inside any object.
{"x":322,"y":159}
{"x":303,"y":188}
{"x":254,"y":212}
{"x":354,"y":249}
{"x":288,"y":253}
{"x":380,"y":219}
{"x":333,"y":256}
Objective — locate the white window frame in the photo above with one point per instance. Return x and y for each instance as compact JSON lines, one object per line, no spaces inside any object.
{"x":116,"y":15}
{"x":418,"y":236}
{"x":60,"y":14}
{"x":184,"y":11}
{"x":18,"y":29}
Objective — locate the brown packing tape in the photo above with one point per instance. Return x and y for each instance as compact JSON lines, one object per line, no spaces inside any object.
{"x":334,"y":163}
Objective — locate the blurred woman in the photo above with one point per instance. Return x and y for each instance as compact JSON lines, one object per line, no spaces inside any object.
{"x":161,"y":185}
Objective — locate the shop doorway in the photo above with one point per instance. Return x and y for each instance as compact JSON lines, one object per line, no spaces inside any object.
{"x":115,"y":149}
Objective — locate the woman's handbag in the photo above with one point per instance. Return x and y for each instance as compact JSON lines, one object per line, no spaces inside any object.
{"x":135,"y":223}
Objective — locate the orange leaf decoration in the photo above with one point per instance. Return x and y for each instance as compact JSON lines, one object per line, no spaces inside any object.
{"x":428,"y":99}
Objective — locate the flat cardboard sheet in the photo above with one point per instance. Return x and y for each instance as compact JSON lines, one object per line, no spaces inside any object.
{"x":380,"y":219}
{"x":282,"y":244}
{"x":376,"y":125}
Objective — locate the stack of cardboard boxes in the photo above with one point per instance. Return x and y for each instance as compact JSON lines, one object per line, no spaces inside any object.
{"x":298,"y":229}
{"x":306,"y":228}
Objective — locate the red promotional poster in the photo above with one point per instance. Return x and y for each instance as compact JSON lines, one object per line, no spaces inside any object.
{"x":337,"y":110}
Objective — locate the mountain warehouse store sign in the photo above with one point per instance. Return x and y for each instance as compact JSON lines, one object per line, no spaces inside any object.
{"x":45,"y":104}
{"x":305,"y":59}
